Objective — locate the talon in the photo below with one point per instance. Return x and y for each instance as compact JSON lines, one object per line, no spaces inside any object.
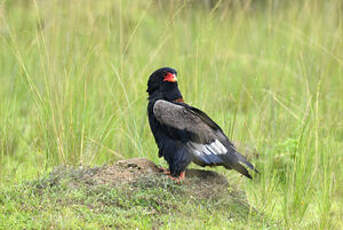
{"x":180,"y":178}
{"x":164,"y":171}
{"x":182,"y":175}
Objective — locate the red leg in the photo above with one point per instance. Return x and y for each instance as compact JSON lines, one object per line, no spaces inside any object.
{"x":179,"y":178}
{"x":164,"y":171}
{"x":182,"y":175}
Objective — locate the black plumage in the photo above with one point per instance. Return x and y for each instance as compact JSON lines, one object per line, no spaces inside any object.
{"x":185,"y":134}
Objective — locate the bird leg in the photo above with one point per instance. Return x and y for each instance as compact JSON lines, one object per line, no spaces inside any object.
{"x":182,"y":175}
{"x":179,"y":178}
{"x":164,"y":171}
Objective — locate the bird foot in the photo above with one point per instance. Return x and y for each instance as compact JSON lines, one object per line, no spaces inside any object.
{"x":180,"y":178}
{"x":164,"y":171}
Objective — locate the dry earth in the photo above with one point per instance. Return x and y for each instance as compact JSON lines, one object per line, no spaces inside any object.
{"x":200,"y":183}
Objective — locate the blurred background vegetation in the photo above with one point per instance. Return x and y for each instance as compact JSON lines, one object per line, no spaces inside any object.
{"x":73,"y":79}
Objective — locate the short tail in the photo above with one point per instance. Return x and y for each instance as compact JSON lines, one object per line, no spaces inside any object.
{"x":234,"y":162}
{"x":240,"y":168}
{"x":246,"y":162}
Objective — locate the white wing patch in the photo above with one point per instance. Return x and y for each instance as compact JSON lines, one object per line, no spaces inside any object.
{"x":207,"y":154}
{"x":217,"y":147}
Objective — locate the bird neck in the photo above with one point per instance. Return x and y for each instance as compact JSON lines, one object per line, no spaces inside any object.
{"x":169,"y":93}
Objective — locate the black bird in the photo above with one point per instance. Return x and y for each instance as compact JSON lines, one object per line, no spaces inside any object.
{"x":185,"y":134}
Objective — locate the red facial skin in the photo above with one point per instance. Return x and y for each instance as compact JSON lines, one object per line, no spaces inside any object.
{"x":170,"y":77}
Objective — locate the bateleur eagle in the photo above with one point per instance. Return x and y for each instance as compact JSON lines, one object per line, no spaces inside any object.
{"x":185,"y":134}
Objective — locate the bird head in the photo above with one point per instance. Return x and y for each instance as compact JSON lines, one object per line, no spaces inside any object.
{"x":163,"y":82}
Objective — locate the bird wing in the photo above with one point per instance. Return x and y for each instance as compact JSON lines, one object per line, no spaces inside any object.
{"x":202,"y":136}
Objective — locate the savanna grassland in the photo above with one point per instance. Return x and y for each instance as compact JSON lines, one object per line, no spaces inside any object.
{"x":72,"y":91}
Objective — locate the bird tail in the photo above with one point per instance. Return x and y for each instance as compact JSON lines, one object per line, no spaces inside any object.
{"x":236,"y":164}
{"x":240,"y":168}
{"x":245,"y":161}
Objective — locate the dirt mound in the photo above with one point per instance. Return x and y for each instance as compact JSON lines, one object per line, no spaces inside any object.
{"x":143,"y":172}
{"x":138,"y":183}
{"x":136,"y":187}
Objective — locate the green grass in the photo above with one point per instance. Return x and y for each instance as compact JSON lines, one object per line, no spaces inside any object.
{"x":72,"y":86}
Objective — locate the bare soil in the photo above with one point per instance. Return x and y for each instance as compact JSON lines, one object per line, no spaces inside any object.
{"x":130,"y":186}
{"x":200,"y":183}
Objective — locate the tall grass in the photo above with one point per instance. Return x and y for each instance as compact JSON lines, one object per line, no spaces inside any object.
{"x":73,"y":77}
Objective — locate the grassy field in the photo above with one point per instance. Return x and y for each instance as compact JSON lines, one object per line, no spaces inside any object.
{"x":72,"y":91}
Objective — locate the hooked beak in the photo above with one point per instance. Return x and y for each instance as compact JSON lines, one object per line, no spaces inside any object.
{"x":170,"y":78}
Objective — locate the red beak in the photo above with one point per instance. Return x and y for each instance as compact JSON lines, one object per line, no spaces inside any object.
{"x":170,"y":77}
